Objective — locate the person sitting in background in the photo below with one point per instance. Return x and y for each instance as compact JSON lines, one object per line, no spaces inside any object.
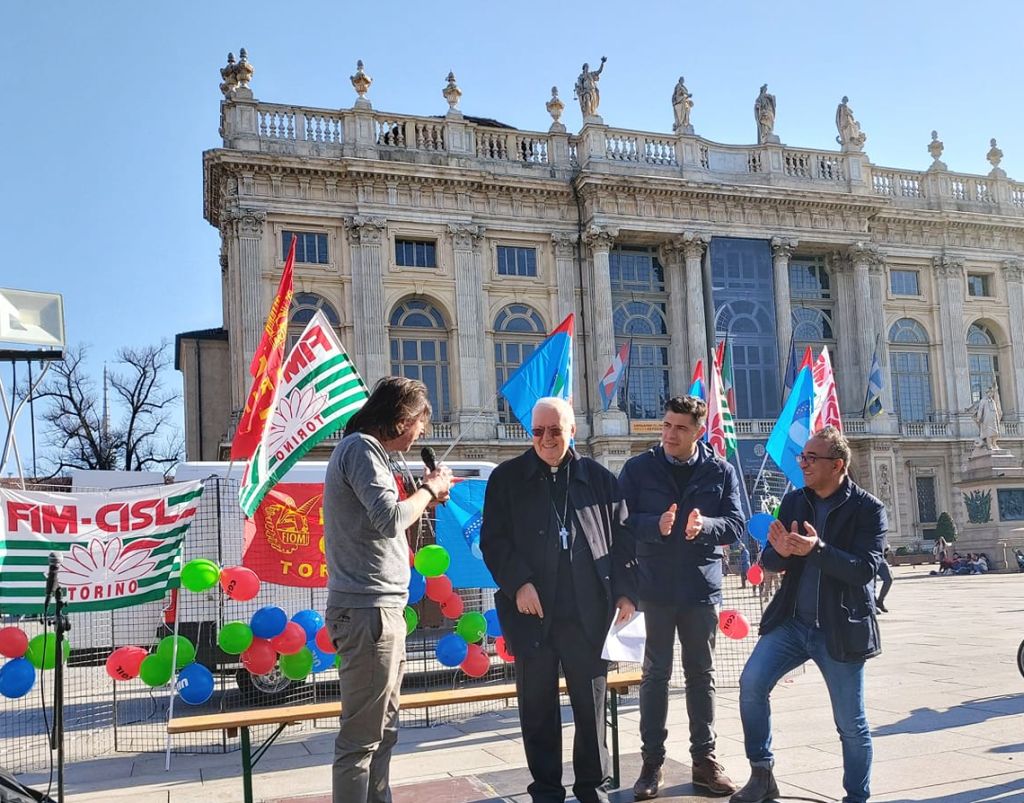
{"x":979,"y":564}
{"x":1020,"y":559}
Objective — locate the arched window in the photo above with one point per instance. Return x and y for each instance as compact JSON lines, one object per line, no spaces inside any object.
{"x":304,"y":306}
{"x":909,"y":370}
{"x":810,"y":297}
{"x":419,"y":350}
{"x":639,"y":302}
{"x":518,"y":329}
{"x":982,"y":360}
{"x":750,"y":328}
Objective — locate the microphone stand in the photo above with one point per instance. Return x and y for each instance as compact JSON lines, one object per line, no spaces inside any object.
{"x":60,"y":627}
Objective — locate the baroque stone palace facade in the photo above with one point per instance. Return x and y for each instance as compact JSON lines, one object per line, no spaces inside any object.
{"x":446,"y":247}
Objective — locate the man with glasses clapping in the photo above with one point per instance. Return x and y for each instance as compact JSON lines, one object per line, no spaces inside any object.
{"x":828,"y":540}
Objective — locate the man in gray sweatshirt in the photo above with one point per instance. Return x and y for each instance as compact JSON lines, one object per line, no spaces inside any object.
{"x":368,"y":578}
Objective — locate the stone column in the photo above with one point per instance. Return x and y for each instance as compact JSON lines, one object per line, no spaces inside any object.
{"x":694,"y":245}
{"x":863,"y":256}
{"x":782,"y":250}
{"x":848,"y":378}
{"x":672,"y":255}
{"x":602,"y":342}
{"x":469,"y":329}
{"x":1013,"y":274}
{"x":366,"y":236}
{"x":244,"y":230}
{"x":949,"y":274}
{"x":564,"y":246}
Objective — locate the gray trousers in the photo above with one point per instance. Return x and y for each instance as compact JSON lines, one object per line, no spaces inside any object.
{"x":696,"y":626}
{"x":371,"y":643}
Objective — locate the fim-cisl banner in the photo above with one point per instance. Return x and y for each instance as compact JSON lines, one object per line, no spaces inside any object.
{"x":117,"y":548}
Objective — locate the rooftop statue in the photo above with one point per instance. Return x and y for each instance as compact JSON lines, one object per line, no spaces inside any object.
{"x":587,"y":92}
{"x":764,"y":114}
{"x":850,"y":135}
{"x":682,"y":102}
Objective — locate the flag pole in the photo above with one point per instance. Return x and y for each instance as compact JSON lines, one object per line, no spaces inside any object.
{"x":625,"y":389}
{"x":867,"y":390}
{"x":462,"y":430}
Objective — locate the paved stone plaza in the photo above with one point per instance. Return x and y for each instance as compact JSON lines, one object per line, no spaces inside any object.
{"x":945,"y":700}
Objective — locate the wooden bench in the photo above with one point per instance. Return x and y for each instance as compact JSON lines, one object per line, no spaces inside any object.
{"x":234,"y":721}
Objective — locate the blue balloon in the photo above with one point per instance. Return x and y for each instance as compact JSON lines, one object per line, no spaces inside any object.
{"x":322,"y":661}
{"x":452,"y":649}
{"x":268,"y":622}
{"x":17,"y":678}
{"x":493,"y":625}
{"x":417,"y":586}
{"x":195,"y":684}
{"x":758,"y":527}
{"x":310,"y":621}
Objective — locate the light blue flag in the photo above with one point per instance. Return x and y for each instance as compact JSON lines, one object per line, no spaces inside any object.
{"x":873,"y":402}
{"x":546,"y":372}
{"x":458,"y":531}
{"x":793,"y":429}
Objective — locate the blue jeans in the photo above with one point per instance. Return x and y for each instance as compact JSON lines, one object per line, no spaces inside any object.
{"x":781,"y":651}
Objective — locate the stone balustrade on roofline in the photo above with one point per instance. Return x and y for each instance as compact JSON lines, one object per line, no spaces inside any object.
{"x":251,"y":125}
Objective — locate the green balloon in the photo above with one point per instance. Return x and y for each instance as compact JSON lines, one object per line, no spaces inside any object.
{"x":155,"y":670}
{"x":200,"y":574}
{"x":432,"y":560}
{"x":46,"y":658}
{"x":411,"y":620}
{"x":337,"y":662}
{"x":235,"y":638}
{"x":297,"y":665}
{"x":471,"y":627}
{"x":186,"y":650}
{"x":775,"y":512}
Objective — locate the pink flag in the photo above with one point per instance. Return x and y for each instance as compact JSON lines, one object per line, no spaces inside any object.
{"x":826,"y":401}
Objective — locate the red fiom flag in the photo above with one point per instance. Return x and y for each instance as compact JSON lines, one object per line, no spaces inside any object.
{"x":265,"y":367}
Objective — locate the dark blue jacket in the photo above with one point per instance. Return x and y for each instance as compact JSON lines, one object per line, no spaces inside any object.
{"x":854,"y":538}
{"x":672,"y":570}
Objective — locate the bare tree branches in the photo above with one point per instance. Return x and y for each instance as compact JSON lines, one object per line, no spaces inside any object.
{"x":139,"y":435}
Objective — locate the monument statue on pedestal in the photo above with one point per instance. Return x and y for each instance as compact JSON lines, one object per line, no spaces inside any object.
{"x":682,"y":102}
{"x":986,"y":413}
{"x":587,"y":92}
{"x":764,"y":114}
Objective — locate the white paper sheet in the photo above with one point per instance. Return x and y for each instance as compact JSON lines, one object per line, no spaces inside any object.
{"x":626,"y":642}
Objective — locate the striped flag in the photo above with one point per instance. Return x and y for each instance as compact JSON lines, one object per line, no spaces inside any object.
{"x":612,"y":377}
{"x":873,"y":400}
{"x":721,"y":427}
{"x":265,"y":367}
{"x":826,"y":400}
{"x":319,"y":391}
{"x":117,"y":548}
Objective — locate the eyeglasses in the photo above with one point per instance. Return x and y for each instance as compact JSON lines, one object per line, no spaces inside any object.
{"x":803,"y":457}
{"x":554,"y":432}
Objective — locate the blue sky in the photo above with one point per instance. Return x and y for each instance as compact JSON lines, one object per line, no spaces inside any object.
{"x":109,"y":106}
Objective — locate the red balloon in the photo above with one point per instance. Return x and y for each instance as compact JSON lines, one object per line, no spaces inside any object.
{"x":13,"y":642}
{"x":504,"y":653}
{"x":755,"y":574}
{"x":412,"y":558}
{"x":323,"y":641}
{"x":290,"y":640}
{"x":452,"y":607}
{"x":239,"y":583}
{"x":734,"y":624}
{"x":477,"y":662}
{"x":439,"y":588}
{"x":260,"y":657}
{"x":124,"y":662}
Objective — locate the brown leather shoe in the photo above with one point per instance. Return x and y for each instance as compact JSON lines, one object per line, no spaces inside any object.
{"x":648,"y":784}
{"x":709,"y":774}
{"x":760,"y":788}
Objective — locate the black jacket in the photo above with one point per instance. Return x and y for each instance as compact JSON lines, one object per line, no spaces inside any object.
{"x":854,"y":538}
{"x":520,"y":546}
{"x":672,"y":570}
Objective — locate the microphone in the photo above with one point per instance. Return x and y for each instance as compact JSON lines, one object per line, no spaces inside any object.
{"x":51,"y":575}
{"x":429,"y":458}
